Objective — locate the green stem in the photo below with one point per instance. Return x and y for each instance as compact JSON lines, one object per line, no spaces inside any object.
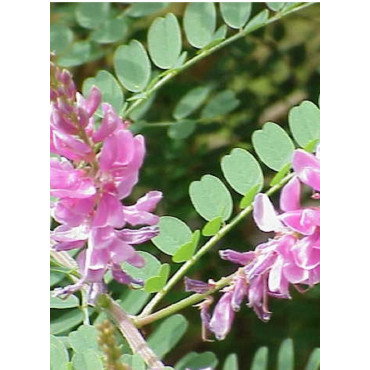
{"x":188,"y":301}
{"x":168,"y":75}
{"x":205,"y":248}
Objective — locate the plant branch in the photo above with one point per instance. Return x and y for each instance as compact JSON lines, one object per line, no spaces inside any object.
{"x":188,"y":301}
{"x":170,"y":74}
{"x":205,"y":248}
{"x":133,"y":336}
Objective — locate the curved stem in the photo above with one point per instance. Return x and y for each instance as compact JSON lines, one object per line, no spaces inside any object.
{"x":168,"y":75}
{"x":205,"y":248}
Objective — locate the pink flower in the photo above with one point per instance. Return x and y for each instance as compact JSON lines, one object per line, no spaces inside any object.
{"x":292,"y":257}
{"x":90,"y":189}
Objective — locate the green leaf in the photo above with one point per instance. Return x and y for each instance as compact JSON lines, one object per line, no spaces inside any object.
{"x":304,"y":122}
{"x":273,"y":146}
{"x":164,"y":41}
{"x":285,"y":359}
{"x":58,"y":354}
{"x":142,"y":9}
{"x":181,"y":129}
{"x":275,"y":6}
{"x":242,"y":171}
{"x":84,"y":338}
{"x":151,"y":268}
{"x":212,"y":227}
{"x":167,"y":335}
{"x":109,"y":87}
{"x":257,"y":21}
{"x":195,"y":361}
{"x":222,"y":103}
{"x":133,"y":300}
{"x":249,"y":197}
{"x":313,"y":362}
{"x":55,"y":277}
{"x":236,"y":15}
{"x":200,"y":23}
{"x":70,"y":302}
{"x":190,"y":102}
{"x":112,"y":30}
{"x":220,"y":34}
{"x":132,"y":66}
{"x":173,"y":233}
{"x":134,"y":361}
{"x":65,"y":322}
{"x":231,"y":362}
{"x":211,"y":198}
{"x":91,"y":15}
{"x":156,"y":283}
{"x":260,"y":359}
{"x":61,"y":37}
{"x":180,"y":60}
{"x":88,"y":360}
{"x":186,"y":251}
{"x":280,"y":175}
{"x":311,"y":146}
{"x":78,"y":54}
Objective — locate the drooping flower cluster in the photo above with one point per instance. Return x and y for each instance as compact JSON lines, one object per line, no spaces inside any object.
{"x":92,"y":170}
{"x":292,"y":257}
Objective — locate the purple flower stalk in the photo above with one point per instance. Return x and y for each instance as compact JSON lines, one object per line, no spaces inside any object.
{"x":90,"y":184}
{"x":292,"y":257}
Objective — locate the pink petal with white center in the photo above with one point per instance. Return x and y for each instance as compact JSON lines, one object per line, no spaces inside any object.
{"x":109,"y":212}
{"x":305,"y":221}
{"x":307,"y":168}
{"x":275,"y":275}
{"x":307,"y":252}
{"x":101,"y":237}
{"x":294,"y":274}
{"x":109,"y":123}
{"x":265,"y":215}
{"x":290,"y":195}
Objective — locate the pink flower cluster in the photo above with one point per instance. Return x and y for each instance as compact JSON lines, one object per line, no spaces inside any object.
{"x":292,"y":257}
{"x":92,"y":171}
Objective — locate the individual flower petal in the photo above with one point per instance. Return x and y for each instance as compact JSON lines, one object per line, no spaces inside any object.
{"x":237,"y":257}
{"x":265,"y":215}
{"x":240,"y":290}
{"x":93,"y":101}
{"x":223,"y":316}
{"x":290,"y":195}
{"x":304,"y":221}
{"x":196,"y":286}
{"x":109,"y":123}
{"x":138,"y":236}
{"x":109,"y":212}
{"x":307,"y":168}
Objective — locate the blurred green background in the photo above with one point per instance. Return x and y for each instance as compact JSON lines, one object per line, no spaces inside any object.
{"x":270,"y":71}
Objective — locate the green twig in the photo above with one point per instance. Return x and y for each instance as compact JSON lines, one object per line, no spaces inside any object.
{"x":170,"y":74}
{"x":205,"y":248}
{"x":188,"y":301}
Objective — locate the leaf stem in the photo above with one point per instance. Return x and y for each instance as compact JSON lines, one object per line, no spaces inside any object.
{"x":168,"y":75}
{"x":205,"y":248}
